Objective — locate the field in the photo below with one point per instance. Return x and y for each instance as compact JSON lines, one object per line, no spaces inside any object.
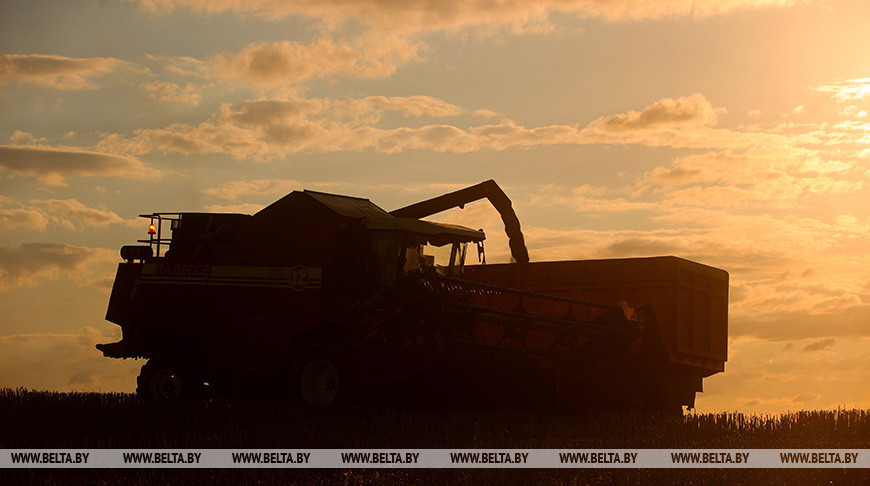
{"x":90,"y":420}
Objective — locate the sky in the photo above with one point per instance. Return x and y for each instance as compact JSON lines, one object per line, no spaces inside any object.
{"x":734,"y":133}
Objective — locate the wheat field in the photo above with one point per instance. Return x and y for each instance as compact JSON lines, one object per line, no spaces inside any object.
{"x":33,"y":419}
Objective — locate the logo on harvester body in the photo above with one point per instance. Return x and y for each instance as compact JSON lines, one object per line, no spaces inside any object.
{"x":299,"y":278}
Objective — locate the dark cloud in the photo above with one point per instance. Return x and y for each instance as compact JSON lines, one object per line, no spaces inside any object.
{"x":805,"y":397}
{"x":52,"y":164}
{"x":82,"y":377}
{"x":639,"y":247}
{"x":54,"y":71}
{"x":819,"y":345}
{"x":269,"y":112}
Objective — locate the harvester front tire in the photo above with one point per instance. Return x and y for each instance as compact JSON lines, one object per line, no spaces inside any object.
{"x":318,"y":376}
{"x":161,"y":383}
{"x":166,"y":385}
{"x":319,"y":383}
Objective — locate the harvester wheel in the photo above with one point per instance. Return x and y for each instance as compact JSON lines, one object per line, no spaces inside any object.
{"x":166,"y":385}
{"x":318,"y":376}
{"x":162,"y":383}
{"x":319,"y":382}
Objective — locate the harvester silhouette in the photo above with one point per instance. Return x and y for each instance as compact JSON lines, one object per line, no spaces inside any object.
{"x":322,"y":295}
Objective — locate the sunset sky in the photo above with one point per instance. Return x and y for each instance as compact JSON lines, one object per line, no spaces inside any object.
{"x":734,"y":133}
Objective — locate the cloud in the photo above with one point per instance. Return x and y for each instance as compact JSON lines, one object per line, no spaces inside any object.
{"x":180,"y":65}
{"x":848,"y":91}
{"x":247,"y":208}
{"x":63,"y":361}
{"x":803,"y":398}
{"x":593,"y":200}
{"x":29,"y":264}
{"x":820,"y":345}
{"x":688,"y":111}
{"x":52,"y":164}
{"x":267,"y":113}
{"x":54,"y":71}
{"x":640,"y":247}
{"x":270,"y":128}
{"x":755,"y":214}
{"x":22,"y":218}
{"x":747,"y":178}
{"x":170,"y":92}
{"x":777,"y":381}
{"x":238,"y":189}
{"x":425,"y":15}
{"x":72,"y":214}
{"x":415,"y":106}
{"x":20,"y":137}
{"x":285,"y":63}
{"x":267,"y":190}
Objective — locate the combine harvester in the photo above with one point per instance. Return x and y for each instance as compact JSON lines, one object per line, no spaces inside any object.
{"x":321,"y":295}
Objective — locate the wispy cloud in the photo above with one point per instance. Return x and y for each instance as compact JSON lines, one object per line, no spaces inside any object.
{"x":190,"y":93}
{"x":419,"y":15}
{"x":236,"y":189}
{"x":244,"y":208}
{"x":849,"y":90}
{"x":853,"y":93}
{"x":54,"y":71}
{"x":762,"y":377}
{"x":51,"y":165}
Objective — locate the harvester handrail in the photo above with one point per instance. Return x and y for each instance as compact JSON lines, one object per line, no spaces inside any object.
{"x":529,"y":293}
{"x":555,"y":321}
{"x":156,"y":239}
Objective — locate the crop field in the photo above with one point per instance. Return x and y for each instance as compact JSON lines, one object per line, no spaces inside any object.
{"x":115,"y":421}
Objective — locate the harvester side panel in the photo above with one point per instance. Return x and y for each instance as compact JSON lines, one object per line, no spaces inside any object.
{"x":689,"y":300}
{"x":243,"y":317}
{"x":255,"y":312}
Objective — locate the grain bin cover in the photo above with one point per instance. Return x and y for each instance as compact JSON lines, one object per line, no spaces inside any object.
{"x":319,"y":203}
